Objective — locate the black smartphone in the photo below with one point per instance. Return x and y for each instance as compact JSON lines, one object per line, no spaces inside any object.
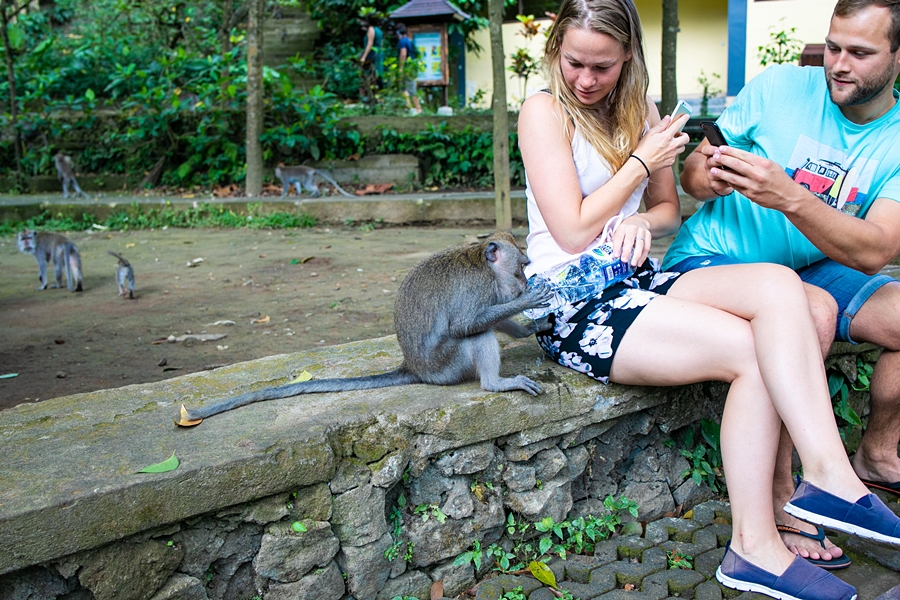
{"x":713,"y":133}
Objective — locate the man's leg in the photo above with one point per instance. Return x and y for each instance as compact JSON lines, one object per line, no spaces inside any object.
{"x":878,"y":321}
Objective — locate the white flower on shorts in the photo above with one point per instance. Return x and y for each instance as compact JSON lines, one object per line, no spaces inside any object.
{"x":564,"y":328}
{"x":632,"y":299}
{"x":573,"y":361}
{"x":597,"y":341}
{"x":600,"y":315}
{"x":661,"y":278}
{"x":551,"y":348}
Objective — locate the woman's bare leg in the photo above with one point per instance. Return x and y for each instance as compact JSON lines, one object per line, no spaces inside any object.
{"x":746,"y":325}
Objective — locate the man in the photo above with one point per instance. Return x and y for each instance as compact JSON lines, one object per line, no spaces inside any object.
{"x":811,"y":180}
{"x":406,"y":50}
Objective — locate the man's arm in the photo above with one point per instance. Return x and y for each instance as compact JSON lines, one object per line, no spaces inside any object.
{"x":696,"y":179}
{"x":866,"y":245}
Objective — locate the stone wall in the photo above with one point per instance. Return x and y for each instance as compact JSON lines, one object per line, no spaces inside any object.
{"x":299,"y":498}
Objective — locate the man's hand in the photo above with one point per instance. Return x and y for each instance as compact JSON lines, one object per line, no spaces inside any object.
{"x":761,"y":180}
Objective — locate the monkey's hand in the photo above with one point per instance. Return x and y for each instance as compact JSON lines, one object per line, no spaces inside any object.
{"x":538,"y":296}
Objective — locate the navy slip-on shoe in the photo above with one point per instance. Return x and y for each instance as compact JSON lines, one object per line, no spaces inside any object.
{"x":801,"y":580}
{"x":867,"y":518}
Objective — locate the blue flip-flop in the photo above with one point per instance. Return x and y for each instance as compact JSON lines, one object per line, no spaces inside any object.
{"x":841,"y":562}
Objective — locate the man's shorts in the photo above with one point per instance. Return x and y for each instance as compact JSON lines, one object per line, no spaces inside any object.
{"x":850,"y":288}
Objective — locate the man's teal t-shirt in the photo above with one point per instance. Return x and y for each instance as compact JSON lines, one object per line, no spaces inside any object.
{"x":786,"y":114}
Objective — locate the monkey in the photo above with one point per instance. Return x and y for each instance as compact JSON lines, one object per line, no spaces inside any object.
{"x":66,"y":174}
{"x":46,"y":247}
{"x":124,"y":276}
{"x":301,"y":175}
{"x":447,"y":309}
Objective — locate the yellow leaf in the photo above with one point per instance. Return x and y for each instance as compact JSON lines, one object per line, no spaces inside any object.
{"x":130,"y":245}
{"x":184,"y":421}
{"x":542,"y":573}
{"x":264,"y":319}
{"x":304,"y":376}
{"x":167,"y":465}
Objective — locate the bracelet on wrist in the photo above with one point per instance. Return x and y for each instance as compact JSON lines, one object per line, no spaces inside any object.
{"x":643,"y":164}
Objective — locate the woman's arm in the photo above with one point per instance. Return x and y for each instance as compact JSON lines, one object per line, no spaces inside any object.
{"x":370,"y":41}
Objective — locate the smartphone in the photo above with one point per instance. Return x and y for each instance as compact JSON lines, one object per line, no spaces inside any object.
{"x":682,"y":108}
{"x":713,"y":133}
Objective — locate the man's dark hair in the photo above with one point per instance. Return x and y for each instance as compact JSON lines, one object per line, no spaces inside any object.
{"x":401,"y":28}
{"x":846,"y":8}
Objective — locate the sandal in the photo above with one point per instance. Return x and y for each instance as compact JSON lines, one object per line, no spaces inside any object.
{"x":841,"y":562}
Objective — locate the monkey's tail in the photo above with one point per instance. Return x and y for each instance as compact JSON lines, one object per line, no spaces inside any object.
{"x":334,"y":183}
{"x":368,"y":382}
{"x":121,"y":258}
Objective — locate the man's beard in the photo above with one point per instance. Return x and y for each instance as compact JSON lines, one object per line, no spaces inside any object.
{"x":866,"y":89}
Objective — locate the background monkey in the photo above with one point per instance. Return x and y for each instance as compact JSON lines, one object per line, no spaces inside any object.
{"x":56,"y":247}
{"x":66,"y":173}
{"x":448,"y":307}
{"x":304,"y":176}
{"x":124,"y":276}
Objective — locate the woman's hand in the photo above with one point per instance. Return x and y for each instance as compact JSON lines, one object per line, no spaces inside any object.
{"x":631,"y":240}
{"x":662,"y":143}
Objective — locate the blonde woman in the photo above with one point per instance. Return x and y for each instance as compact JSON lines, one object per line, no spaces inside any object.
{"x":594,"y":146}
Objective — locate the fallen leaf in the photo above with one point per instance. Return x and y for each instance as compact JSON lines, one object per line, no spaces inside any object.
{"x":169,"y":464}
{"x":264,"y":319}
{"x":542,"y":573}
{"x":187,"y":196}
{"x":437,"y":590}
{"x":304,"y":376}
{"x":129,"y":245}
{"x":59,"y":341}
{"x":629,"y":587}
{"x":374,"y":188}
{"x":184,"y":421}
{"x":9,"y":376}
{"x":160,"y":341}
{"x":263,"y":255}
{"x":171,"y":369}
{"x":226,"y":322}
{"x":300,"y":261}
{"x":200,"y":337}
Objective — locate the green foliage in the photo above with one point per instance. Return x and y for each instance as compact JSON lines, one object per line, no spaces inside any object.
{"x":578,"y":536}
{"x":705,"y":456}
{"x":395,"y":519}
{"x":783,"y":47}
{"x":427,"y":511}
{"x":839,"y":386}
{"x":453,"y":158}
{"x":709,"y":90}
{"x":138,"y":217}
{"x":515,"y":594}
{"x":677,"y":560}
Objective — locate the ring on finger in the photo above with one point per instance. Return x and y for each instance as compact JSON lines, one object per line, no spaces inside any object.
{"x":639,"y":239}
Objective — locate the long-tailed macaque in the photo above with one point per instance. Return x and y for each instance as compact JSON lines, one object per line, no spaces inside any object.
{"x":304,"y":176}
{"x":447,"y":309}
{"x":66,"y":173}
{"x":55,"y":247}
{"x":124,"y":276}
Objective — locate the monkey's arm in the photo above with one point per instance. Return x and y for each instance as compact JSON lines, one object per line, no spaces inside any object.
{"x":492,"y":316}
{"x":520,"y":330}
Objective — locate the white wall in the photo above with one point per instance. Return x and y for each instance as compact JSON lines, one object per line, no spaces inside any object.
{"x":810,"y":18}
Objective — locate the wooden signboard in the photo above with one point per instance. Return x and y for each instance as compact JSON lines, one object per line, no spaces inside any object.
{"x":431,"y":50}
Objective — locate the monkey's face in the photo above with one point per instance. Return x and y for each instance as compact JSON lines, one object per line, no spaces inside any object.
{"x":26,"y":241}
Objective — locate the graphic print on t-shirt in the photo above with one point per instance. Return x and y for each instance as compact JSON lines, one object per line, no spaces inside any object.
{"x":839,"y":180}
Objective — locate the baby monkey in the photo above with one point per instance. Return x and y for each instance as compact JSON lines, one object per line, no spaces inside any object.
{"x":447,"y":309}
{"x":124,"y":276}
{"x":66,"y":174}
{"x":55,"y":247}
{"x":304,"y":176}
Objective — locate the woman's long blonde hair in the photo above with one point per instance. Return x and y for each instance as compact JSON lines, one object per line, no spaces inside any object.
{"x":615,"y":134}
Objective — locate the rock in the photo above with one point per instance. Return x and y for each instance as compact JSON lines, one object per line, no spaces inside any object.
{"x":128,"y":571}
{"x":412,"y":584}
{"x":358,"y":515}
{"x":365,"y":567}
{"x":181,"y":587}
{"x":455,"y":578}
{"x":548,"y":463}
{"x":553,"y":500}
{"x":286,"y":555}
{"x":321,"y":584}
{"x":653,"y":499}
{"x":519,"y":477}
{"x":467,"y":460}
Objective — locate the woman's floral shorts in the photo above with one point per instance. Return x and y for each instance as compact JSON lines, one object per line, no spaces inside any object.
{"x":586,"y":334}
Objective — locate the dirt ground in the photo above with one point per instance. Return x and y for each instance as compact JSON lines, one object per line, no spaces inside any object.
{"x":311,"y":287}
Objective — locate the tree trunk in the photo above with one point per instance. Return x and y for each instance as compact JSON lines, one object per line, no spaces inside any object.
{"x":669,"y":47}
{"x":502,"y":208}
{"x":5,"y":16}
{"x":253,"y":182}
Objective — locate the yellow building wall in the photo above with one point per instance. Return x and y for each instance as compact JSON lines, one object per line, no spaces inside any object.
{"x":810,"y":18}
{"x":702,"y":45}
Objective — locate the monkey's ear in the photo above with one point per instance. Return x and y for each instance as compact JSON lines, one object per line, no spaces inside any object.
{"x":492,"y":252}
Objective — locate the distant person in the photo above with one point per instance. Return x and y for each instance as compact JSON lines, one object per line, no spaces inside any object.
{"x":406,"y":50}
{"x":372,"y":59}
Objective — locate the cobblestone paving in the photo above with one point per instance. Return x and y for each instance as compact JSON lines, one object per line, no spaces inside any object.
{"x":641,"y":562}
